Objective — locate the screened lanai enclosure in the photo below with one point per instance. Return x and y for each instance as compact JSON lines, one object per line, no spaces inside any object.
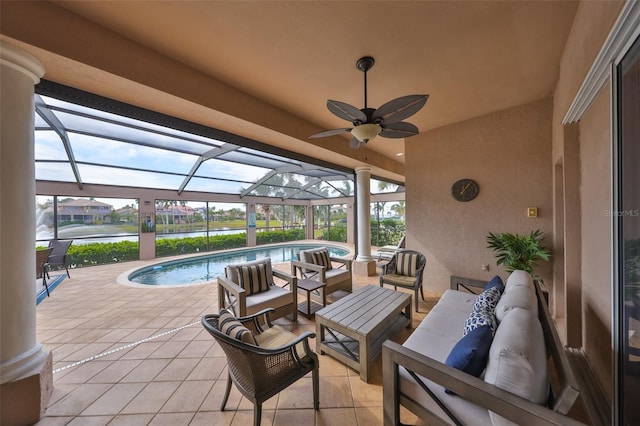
{"x":112,"y":176}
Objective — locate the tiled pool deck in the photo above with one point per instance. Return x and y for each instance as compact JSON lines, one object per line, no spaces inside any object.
{"x":139,"y":356}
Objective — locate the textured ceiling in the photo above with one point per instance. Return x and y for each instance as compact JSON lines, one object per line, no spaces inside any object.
{"x":472,"y":57}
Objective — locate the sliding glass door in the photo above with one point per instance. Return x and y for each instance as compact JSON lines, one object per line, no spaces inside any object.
{"x":628,"y":236}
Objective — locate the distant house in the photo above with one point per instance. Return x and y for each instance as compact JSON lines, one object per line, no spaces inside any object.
{"x":85,"y":211}
{"x":175,"y":214}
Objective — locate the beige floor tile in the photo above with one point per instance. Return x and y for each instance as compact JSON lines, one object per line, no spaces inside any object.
{"x":196,"y":348}
{"x":54,"y":421}
{"x":336,"y":416}
{"x":370,"y":416}
{"x":146,"y":371}
{"x":214,"y":399}
{"x":366,"y":394}
{"x":213,"y":418}
{"x":83,"y":372}
{"x":245,"y":418}
{"x":115,"y":372}
{"x":171,"y":419}
{"x":177,"y":369}
{"x":78,"y":400}
{"x":188,"y":397}
{"x":335,"y":392}
{"x":114,"y":400}
{"x":90,"y":421}
{"x":294,"y":417}
{"x":208,"y":369}
{"x":168,"y":350}
{"x":297,"y":395}
{"x":131,"y":420}
{"x":152,"y":398}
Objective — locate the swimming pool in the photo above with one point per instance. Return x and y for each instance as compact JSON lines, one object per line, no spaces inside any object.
{"x":205,"y":268}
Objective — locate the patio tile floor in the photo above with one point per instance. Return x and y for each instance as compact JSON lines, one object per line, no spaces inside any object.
{"x":139,"y":356}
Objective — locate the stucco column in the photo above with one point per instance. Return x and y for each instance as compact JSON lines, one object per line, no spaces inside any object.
{"x":25,"y":367}
{"x":251,"y":230}
{"x":364,"y":265}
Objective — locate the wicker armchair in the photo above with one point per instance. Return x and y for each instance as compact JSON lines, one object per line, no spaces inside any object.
{"x":405,"y":269}
{"x":260,"y":372}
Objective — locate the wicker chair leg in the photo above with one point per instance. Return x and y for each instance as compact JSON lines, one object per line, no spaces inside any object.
{"x":257,"y":414}
{"x":226,"y":393}
{"x":315,"y":375}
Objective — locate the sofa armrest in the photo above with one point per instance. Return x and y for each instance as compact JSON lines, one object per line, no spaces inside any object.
{"x":302,"y":266}
{"x":292,"y":280}
{"x":506,"y":404}
{"x":345,"y":262}
{"x":226,"y":288}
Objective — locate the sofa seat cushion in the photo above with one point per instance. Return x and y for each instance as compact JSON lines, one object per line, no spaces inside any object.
{"x":401,"y":280}
{"x":518,"y":359}
{"x":276,"y":297}
{"x":435,"y":337}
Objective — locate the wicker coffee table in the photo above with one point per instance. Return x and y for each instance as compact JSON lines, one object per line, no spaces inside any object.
{"x":353,"y":329}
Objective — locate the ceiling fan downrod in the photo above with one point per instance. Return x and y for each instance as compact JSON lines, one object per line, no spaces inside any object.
{"x":364,"y":64}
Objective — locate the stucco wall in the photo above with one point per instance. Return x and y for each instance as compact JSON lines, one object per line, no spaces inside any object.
{"x":508,"y":153}
{"x":595,"y":150}
{"x":591,"y":26}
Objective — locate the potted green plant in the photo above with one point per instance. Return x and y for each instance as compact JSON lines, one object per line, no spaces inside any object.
{"x":516,"y":251}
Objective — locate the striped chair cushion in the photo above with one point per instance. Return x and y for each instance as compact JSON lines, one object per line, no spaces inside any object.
{"x":229,"y":325}
{"x":254,"y":278}
{"x":322,"y":258}
{"x":406,"y":264}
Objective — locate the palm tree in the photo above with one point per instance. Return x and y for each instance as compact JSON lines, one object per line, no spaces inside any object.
{"x":399,"y":209}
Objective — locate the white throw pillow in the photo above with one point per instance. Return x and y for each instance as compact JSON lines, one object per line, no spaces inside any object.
{"x":518,"y":359}
{"x":516,"y":297}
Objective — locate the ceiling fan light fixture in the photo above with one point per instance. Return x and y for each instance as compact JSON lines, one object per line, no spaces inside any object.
{"x":366,"y":132}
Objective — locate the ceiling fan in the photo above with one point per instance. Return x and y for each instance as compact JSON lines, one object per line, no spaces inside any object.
{"x":368,"y":123}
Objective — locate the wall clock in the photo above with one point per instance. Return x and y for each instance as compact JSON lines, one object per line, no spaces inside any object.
{"x":465,"y":190}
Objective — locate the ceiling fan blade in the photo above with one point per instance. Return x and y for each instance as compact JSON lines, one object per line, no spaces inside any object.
{"x":398,"y":109}
{"x":354,"y":143}
{"x":346,"y":111}
{"x":331,"y":132}
{"x":399,"y":130}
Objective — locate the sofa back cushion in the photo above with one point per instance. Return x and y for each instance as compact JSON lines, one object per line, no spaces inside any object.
{"x":519,"y":278}
{"x":518,"y":359}
{"x":516,"y":297}
{"x":407,"y":264}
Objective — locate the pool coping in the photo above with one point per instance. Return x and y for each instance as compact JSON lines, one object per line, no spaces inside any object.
{"x":123,"y":278}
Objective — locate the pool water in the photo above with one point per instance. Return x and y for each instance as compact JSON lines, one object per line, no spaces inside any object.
{"x":206,"y":268}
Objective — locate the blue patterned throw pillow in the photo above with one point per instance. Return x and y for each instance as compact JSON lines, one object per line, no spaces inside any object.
{"x":495,"y":282}
{"x":484,"y":311}
{"x":488,"y":299}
